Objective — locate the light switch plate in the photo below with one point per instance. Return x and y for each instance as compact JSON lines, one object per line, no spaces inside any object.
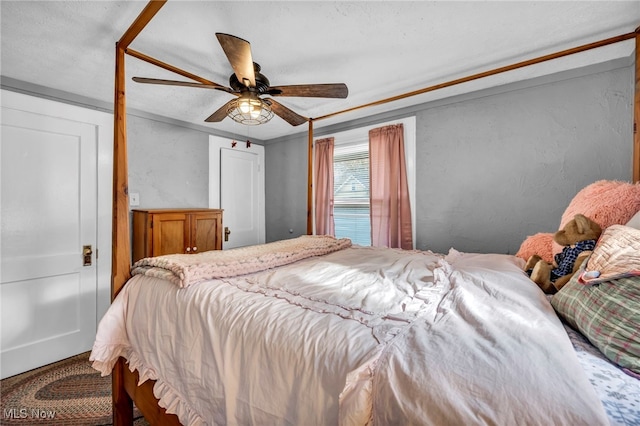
{"x":134,"y":199}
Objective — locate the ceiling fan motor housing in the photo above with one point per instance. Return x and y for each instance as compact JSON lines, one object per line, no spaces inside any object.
{"x":262,"y":82}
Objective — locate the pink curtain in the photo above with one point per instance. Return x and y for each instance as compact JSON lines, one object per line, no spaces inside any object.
{"x":323,"y":169}
{"x":390,"y":208}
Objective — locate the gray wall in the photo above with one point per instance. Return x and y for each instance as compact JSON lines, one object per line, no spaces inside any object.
{"x":168,"y":164}
{"x":286,"y":189}
{"x":491,"y":168}
{"x":168,"y":159}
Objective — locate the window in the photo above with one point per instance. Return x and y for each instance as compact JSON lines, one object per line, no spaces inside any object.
{"x":351,"y":193}
{"x":351,"y":180}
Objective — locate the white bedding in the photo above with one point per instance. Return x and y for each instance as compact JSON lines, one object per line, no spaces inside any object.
{"x":618,"y":391}
{"x":357,"y":336}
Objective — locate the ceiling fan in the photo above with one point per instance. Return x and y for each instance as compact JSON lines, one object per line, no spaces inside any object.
{"x":248,"y":84}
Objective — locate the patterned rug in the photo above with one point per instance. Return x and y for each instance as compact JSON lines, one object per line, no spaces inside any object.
{"x":68,"y":392}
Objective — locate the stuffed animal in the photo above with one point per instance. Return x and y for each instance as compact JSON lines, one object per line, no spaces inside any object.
{"x":606,"y":202}
{"x":578,"y":238}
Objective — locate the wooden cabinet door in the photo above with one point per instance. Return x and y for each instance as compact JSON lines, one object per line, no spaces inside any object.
{"x":205,"y":234}
{"x":170,"y":233}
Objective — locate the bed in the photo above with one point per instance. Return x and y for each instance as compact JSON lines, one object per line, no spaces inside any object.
{"x":366,"y":377}
{"x":315,"y":330}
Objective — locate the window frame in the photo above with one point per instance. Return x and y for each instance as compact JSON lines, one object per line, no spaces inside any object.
{"x":361,"y":134}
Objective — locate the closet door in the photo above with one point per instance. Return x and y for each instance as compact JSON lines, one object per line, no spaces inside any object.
{"x":241,"y":196}
{"x":49,"y":215}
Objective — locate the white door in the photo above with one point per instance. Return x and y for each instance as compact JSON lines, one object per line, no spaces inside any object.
{"x":239,"y":187}
{"x":49,"y":212}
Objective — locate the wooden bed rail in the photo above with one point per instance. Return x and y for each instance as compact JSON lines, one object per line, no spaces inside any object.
{"x":522,"y":64}
{"x":169,"y":67}
{"x":549,"y":57}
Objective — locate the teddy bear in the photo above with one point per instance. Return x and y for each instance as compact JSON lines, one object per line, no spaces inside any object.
{"x":578,"y":238}
{"x":606,"y":202}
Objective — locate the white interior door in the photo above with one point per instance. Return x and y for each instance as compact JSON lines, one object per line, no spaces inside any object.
{"x":237,"y":181}
{"x":49,"y":212}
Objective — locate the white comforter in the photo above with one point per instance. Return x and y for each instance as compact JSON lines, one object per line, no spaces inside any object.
{"x":361,"y":335}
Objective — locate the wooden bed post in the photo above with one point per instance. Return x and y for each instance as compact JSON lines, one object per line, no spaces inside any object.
{"x":121,"y":265}
{"x":121,"y":256}
{"x":636,"y":113}
{"x":310,"y":180}
{"x":122,"y":404}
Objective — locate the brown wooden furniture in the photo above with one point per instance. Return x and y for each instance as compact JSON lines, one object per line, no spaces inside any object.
{"x":158,"y":232}
{"x":123,"y":383}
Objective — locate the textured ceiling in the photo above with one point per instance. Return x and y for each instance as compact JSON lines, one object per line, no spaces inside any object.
{"x":378,"y":48}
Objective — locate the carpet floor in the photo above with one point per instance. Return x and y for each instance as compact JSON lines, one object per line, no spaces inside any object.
{"x":68,"y":392}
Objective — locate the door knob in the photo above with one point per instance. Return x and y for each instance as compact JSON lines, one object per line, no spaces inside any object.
{"x":86,"y":255}
{"x":226,"y":233}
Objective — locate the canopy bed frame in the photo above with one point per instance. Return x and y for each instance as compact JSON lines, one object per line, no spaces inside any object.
{"x":124,"y":383}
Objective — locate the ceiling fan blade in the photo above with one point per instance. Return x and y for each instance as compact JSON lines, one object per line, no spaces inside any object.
{"x":181,"y":83}
{"x":220,"y":114}
{"x":286,"y":114}
{"x":338,"y":90}
{"x":238,"y":53}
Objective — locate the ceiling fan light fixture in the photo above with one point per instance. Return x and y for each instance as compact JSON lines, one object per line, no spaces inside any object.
{"x":249,"y":110}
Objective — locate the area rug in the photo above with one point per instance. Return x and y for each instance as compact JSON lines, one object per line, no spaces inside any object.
{"x":68,"y":392}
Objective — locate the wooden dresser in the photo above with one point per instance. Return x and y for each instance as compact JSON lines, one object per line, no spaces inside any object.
{"x":158,"y":232}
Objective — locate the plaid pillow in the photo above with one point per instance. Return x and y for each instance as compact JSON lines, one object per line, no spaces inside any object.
{"x":608,"y":314}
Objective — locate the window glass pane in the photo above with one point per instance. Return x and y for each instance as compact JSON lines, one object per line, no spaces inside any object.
{"x":353,"y":222}
{"x":351,"y":193}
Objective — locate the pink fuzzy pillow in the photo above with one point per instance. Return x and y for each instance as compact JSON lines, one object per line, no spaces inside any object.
{"x":539,"y":244}
{"x":606,"y":202}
